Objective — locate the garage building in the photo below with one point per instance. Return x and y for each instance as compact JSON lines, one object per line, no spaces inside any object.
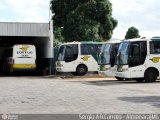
{"x":39,"y":34}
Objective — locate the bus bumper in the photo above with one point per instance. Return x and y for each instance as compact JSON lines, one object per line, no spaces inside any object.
{"x":106,"y":70}
{"x":62,"y":66}
{"x":108,"y":73}
{"x":64,"y":69}
{"x":24,"y":66}
{"x":122,"y":74}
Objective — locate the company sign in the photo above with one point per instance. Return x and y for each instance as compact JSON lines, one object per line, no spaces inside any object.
{"x":24,"y":51}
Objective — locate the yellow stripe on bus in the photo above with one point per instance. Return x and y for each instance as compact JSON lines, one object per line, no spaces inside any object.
{"x":23,"y":66}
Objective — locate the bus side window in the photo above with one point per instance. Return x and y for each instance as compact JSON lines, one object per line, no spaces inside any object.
{"x":155,"y":47}
{"x":71,"y":53}
{"x":75,"y":52}
{"x":138,"y":53}
{"x":98,"y":48}
{"x":88,"y":49}
{"x":113,"y":54}
{"x":143,"y":52}
{"x":135,"y":55}
{"x":84,"y":49}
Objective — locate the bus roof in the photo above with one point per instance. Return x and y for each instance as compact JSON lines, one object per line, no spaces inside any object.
{"x":135,"y":39}
{"x":83,"y":42}
{"x":23,"y":44}
{"x":143,"y":39}
{"x":114,"y":41}
{"x":19,"y":45}
{"x":90,"y":42}
{"x":156,"y":38}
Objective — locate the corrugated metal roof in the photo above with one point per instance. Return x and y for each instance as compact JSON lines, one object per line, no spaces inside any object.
{"x":24,"y":29}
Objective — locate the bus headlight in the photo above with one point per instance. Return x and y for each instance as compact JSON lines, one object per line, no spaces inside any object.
{"x":59,"y":64}
{"x":59,"y":69}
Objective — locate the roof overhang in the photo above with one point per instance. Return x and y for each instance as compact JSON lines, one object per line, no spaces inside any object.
{"x":24,"y":29}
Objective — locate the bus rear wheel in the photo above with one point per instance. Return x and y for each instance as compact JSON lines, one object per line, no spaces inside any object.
{"x":81,"y":70}
{"x":150,"y":76}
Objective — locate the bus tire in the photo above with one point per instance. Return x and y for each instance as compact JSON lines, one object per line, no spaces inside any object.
{"x":81,"y":70}
{"x":150,"y":75}
{"x":119,"y":78}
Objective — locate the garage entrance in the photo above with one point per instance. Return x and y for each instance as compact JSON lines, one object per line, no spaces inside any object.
{"x":37,"y":34}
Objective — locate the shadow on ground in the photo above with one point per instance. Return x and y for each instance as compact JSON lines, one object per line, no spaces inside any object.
{"x":20,"y":74}
{"x":111,"y":82}
{"x":152,"y":100}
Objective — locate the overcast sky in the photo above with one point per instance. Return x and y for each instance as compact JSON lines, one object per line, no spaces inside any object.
{"x":143,"y":14}
{"x":24,"y":10}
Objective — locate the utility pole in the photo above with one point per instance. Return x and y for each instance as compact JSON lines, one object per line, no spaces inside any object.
{"x":51,"y":39}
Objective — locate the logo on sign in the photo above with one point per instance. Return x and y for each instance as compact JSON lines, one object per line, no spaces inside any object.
{"x":24,"y":50}
{"x":85,"y":58}
{"x":155,"y":59}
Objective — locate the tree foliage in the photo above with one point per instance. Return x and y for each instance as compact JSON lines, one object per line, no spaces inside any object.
{"x":84,"y":20}
{"x":58,"y":36}
{"x":132,"y":33}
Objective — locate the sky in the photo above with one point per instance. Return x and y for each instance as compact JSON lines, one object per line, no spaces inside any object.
{"x":142,"y":14}
{"x":24,"y":11}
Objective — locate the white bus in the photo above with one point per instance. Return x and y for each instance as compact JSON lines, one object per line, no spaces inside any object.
{"x":78,"y":57}
{"x":139,"y":59}
{"x":19,"y":57}
{"x":107,"y":56}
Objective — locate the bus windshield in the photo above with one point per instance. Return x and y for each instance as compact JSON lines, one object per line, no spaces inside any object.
{"x":122,"y":55}
{"x":61,"y":53}
{"x":104,"y":57}
{"x":68,"y":53}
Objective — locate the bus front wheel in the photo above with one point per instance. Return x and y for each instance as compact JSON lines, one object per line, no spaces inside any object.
{"x":150,"y":76}
{"x":81,"y":70}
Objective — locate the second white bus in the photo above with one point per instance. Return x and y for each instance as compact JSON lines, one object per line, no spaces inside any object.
{"x":107,"y":56}
{"x":78,"y":57}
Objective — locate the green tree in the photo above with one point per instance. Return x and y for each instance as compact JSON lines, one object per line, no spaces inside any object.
{"x":58,"y":36}
{"x":132,"y":33}
{"x":84,"y":20}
